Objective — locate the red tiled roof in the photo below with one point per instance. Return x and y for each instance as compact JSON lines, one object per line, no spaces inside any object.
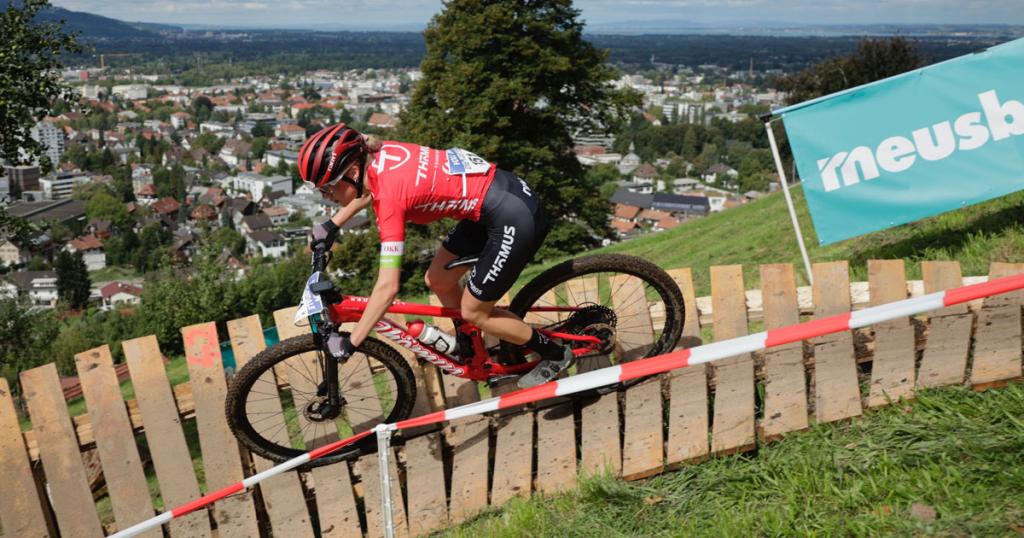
{"x":114,"y":288}
{"x":654,"y":214}
{"x":628,"y":212}
{"x":623,"y":227}
{"x":668,"y":223}
{"x":166,"y":205}
{"x":88,"y":242}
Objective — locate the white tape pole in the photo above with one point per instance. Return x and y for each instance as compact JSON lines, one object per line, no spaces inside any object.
{"x":789,"y":200}
{"x":384,"y":472}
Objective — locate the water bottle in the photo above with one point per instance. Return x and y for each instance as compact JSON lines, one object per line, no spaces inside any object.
{"x":433,"y":337}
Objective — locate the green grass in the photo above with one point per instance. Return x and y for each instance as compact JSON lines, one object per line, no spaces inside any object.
{"x":114,"y":272}
{"x":958,"y":451}
{"x":761,"y":232}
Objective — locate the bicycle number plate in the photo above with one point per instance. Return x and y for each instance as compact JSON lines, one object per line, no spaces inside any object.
{"x":311,"y":304}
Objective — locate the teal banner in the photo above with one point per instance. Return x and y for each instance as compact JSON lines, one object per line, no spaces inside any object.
{"x":911,"y":146}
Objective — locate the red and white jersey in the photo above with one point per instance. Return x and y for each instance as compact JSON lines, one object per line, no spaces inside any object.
{"x":418,"y":184}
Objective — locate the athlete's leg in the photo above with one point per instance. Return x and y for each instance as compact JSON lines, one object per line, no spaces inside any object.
{"x":494,"y":321}
{"x":445,"y":282}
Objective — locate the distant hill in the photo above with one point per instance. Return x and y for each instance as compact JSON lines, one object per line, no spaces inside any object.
{"x":92,"y":27}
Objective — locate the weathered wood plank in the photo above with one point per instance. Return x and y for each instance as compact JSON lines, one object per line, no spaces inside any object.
{"x":997,"y":349}
{"x":785,"y":386}
{"x":119,"y":455}
{"x":688,"y":421}
{"x":167,"y":445}
{"x":949,"y":336}
{"x":367,"y":468}
{"x":556,"y":449}
{"x":457,"y":391}
{"x":837,"y":394}
{"x":58,"y":450}
{"x":643,"y":450}
{"x":282,"y":494}
{"x":733,"y":423}
{"x":20,"y":513}
{"x":513,"y":458}
{"x":336,"y":505}
{"x":469,"y":441}
{"x":600,"y":443}
{"x":893,"y":367}
{"x":235,"y":515}
{"x":424,"y":479}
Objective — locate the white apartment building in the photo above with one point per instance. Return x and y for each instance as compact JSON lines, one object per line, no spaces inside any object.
{"x":131,"y":91}
{"x":256,"y":184}
{"x":52,"y":140}
{"x":59,"y":186}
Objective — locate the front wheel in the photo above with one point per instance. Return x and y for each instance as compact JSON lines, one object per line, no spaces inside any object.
{"x":277,"y":405}
{"x":632,"y":305}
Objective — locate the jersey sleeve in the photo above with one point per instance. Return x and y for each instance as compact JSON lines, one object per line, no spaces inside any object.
{"x":391,"y":225}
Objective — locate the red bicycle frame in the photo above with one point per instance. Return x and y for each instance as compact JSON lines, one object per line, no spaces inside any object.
{"x":479,"y":367}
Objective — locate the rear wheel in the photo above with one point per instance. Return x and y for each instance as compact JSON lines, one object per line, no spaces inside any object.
{"x":632,"y":305}
{"x":277,"y":406}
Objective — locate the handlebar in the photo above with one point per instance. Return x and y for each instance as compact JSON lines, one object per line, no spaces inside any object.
{"x":320,"y":258}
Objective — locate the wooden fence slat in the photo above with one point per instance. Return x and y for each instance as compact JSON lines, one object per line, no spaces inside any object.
{"x":949,"y":333}
{"x":893,"y":365}
{"x":469,"y":439}
{"x":282,"y":494}
{"x":688,"y":420}
{"x":837,"y":393}
{"x":733,"y":423}
{"x":422,"y":405}
{"x":337,"y":512}
{"x":600,"y":443}
{"x":166,"y":440}
{"x":367,"y":468}
{"x":222,"y":463}
{"x":556,"y":431}
{"x":21,"y":514}
{"x":785,"y":385}
{"x":424,"y":479}
{"x":643,"y":450}
{"x":58,"y":450}
{"x":513,"y":458}
{"x":997,"y":351}
{"x":457,"y":391}
{"x":119,"y":455}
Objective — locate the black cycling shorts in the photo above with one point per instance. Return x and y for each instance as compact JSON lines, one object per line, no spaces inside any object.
{"x":511,"y":228}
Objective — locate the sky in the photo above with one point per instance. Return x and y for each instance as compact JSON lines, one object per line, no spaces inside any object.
{"x":413,"y":14}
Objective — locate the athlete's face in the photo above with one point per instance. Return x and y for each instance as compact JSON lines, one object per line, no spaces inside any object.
{"x":343,"y":192}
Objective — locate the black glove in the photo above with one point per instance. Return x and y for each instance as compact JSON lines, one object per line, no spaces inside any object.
{"x":324,"y":234}
{"x":340,"y":347}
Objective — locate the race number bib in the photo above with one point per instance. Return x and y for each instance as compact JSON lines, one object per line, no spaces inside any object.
{"x":465,"y":162}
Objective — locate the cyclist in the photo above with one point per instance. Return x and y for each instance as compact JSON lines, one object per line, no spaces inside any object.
{"x":500,"y":220}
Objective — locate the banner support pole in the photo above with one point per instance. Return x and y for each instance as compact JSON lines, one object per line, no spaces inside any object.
{"x":789,"y":200}
{"x":383,"y":432}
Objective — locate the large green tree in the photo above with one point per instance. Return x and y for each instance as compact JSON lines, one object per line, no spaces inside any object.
{"x":72,"y":279}
{"x":512,"y":80}
{"x":30,"y":62}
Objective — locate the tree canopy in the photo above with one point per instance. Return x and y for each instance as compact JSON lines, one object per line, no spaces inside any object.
{"x":29,"y":76}
{"x":512,"y":81}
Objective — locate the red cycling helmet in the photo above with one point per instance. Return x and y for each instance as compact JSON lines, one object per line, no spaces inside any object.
{"x":324,"y":158}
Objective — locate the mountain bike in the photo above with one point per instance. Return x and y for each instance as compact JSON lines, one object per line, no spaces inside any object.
{"x":608,"y":308}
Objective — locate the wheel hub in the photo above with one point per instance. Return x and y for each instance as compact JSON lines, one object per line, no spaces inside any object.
{"x":594,"y":320}
{"x":319,"y":409}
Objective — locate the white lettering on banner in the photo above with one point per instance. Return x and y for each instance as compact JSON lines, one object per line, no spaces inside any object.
{"x":405,"y":340}
{"x":507,"y":239}
{"x":390,"y":153}
{"x":898,"y":153}
{"x":463,"y":205}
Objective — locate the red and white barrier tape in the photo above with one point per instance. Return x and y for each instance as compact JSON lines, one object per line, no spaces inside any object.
{"x":624,"y":372}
